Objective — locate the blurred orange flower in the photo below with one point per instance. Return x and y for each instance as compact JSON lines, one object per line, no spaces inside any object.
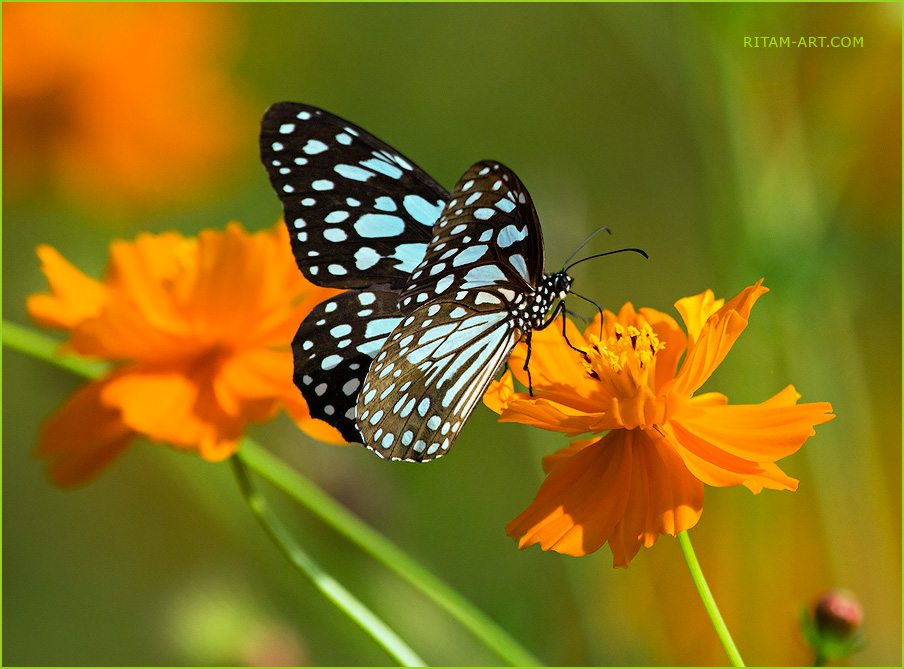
{"x":118,"y":104}
{"x":199,"y":331}
{"x":645,"y":476}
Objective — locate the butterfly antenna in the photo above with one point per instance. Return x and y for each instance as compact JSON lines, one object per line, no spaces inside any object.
{"x":607,"y":253}
{"x":584,"y":243}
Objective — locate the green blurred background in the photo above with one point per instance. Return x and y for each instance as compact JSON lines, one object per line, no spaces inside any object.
{"x":725,"y":163}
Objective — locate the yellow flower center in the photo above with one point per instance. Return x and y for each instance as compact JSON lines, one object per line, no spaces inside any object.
{"x":640,"y":344}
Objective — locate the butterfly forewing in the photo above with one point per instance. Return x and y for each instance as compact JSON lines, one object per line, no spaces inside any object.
{"x":487,"y":236}
{"x":429,"y":375}
{"x":359,"y":213}
{"x":334,"y":348}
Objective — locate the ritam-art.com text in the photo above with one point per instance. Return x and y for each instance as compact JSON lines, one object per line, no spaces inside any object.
{"x":804,"y":42}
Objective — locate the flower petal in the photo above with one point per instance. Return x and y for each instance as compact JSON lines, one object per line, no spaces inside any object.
{"x":82,"y":437}
{"x":665,"y":498}
{"x":145,"y":273}
{"x":74,"y":296}
{"x":174,"y":407}
{"x":716,"y":338}
{"x":549,"y":415}
{"x":141,"y":320}
{"x":251,"y":383}
{"x":500,"y":393}
{"x":581,"y":500}
{"x":717,"y":467}
{"x":553,"y":460}
{"x":696,"y":310}
{"x":762,"y":432}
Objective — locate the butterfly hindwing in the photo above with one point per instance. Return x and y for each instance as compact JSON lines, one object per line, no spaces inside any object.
{"x":487,"y":236}
{"x":429,"y":375}
{"x":334,"y":348}
{"x":359,"y":213}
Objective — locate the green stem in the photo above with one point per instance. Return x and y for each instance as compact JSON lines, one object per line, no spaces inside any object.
{"x":384,"y":551}
{"x":708,"y":602}
{"x":327,"y":509}
{"x":38,"y":345}
{"x":329,"y":587}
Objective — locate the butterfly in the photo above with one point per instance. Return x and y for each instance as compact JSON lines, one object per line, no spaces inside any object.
{"x":439,"y":286}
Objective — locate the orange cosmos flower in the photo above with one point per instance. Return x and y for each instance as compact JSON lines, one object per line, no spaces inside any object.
{"x":199,"y":331}
{"x":118,"y":104}
{"x":645,"y":476}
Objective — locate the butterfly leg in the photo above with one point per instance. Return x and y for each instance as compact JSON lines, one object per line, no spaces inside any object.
{"x":575,"y":314}
{"x":530,"y":386}
{"x":560,"y":309}
{"x":573,"y":347}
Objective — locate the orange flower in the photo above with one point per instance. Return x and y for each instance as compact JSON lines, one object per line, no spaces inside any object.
{"x":118,"y":104}
{"x":645,"y":476}
{"x":199,"y":331}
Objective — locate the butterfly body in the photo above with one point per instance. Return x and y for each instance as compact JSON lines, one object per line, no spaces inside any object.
{"x":440,"y":286}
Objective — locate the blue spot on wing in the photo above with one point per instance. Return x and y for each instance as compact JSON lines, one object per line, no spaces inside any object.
{"x":421,"y":210}
{"x":382,"y":167}
{"x":379,"y":225}
{"x":352,"y":172}
{"x":410,"y":255}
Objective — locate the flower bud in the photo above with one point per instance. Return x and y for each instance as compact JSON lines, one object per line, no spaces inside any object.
{"x":838,"y":612}
{"x":831,"y":627}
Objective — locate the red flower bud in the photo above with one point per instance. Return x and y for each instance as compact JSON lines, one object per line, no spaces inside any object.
{"x":838,"y":612}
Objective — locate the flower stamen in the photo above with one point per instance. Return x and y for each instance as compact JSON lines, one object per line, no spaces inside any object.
{"x":640,"y":343}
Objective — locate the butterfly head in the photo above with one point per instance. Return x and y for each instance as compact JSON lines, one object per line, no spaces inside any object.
{"x":561,"y":284}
